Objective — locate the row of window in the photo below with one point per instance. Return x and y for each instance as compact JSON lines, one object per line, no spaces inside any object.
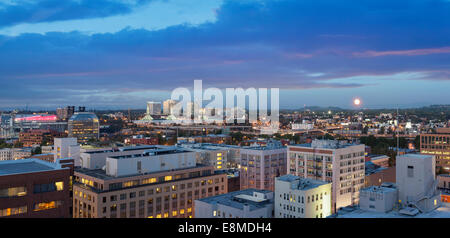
{"x":292,"y":216}
{"x":301,"y":199}
{"x":38,"y":188}
{"x":130,"y":195}
{"x":13,"y":211}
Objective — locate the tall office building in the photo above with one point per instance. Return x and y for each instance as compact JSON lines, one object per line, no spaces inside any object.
{"x":437,"y":144}
{"x":261,"y":164}
{"x":65,"y":113}
{"x":84,"y":126}
{"x":337,"y":162}
{"x":297,"y":197}
{"x":161,"y":182}
{"x":168,"y":106}
{"x":33,"y":188}
{"x":153,"y":108}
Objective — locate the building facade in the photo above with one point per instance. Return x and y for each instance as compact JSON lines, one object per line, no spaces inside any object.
{"x":378,"y":198}
{"x":159,"y":183}
{"x":260,"y":165}
{"x":437,"y":144}
{"x":444,"y":187}
{"x":337,"y":162}
{"x":14,"y":153}
{"x":32,"y":188}
{"x":154,"y":108}
{"x":84,"y":126}
{"x":168,"y":106}
{"x":37,"y":137}
{"x":249,"y":203}
{"x":67,"y":147}
{"x":416,"y":181}
{"x":297,"y":197}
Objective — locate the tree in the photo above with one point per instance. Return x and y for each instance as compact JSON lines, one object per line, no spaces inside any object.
{"x":37,"y":151}
{"x":417,"y":142}
{"x":441,"y":171}
{"x":18,"y":144}
{"x":365,"y":130}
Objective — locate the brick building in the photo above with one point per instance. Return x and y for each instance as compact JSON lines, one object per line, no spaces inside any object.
{"x":32,"y":188}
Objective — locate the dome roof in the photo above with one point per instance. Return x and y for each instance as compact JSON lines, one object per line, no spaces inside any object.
{"x":84,"y":116}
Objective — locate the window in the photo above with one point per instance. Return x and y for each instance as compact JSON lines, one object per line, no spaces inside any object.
{"x":410,"y":171}
{"x":13,"y":211}
{"x":13,"y":192}
{"x":149,"y":180}
{"x":50,"y":187}
{"x":47,"y":205}
{"x":59,"y":186}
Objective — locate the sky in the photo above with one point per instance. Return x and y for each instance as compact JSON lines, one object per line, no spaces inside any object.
{"x":122,"y":53}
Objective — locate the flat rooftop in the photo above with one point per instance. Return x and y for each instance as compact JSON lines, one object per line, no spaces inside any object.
{"x":239,"y":199}
{"x":326,"y":144}
{"x":23,"y":166}
{"x":211,"y":145}
{"x":441,"y":212}
{"x":379,"y":189}
{"x":101,"y":174}
{"x":303,"y":183}
{"x":128,"y":148}
{"x":270,"y":145}
{"x":153,"y":152}
{"x":416,"y":156}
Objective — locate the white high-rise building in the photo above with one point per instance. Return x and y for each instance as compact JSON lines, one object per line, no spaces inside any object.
{"x":67,"y":147}
{"x":153,"y":108}
{"x":168,"y":106}
{"x":337,"y":162}
{"x":297,"y":197}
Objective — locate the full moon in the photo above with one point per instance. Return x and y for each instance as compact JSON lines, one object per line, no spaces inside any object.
{"x":357,"y":102}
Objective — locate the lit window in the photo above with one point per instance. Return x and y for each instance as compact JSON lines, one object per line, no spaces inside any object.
{"x":59,"y":186}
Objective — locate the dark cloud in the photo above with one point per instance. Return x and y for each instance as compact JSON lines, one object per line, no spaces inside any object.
{"x":57,"y":10}
{"x":287,"y":44}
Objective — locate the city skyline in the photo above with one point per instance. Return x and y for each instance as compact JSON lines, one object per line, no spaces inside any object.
{"x":120,"y":54}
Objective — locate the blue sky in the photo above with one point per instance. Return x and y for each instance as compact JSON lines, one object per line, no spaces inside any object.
{"x":119,"y":54}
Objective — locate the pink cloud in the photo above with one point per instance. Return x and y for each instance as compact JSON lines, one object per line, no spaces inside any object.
{"x":415,"y":52}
